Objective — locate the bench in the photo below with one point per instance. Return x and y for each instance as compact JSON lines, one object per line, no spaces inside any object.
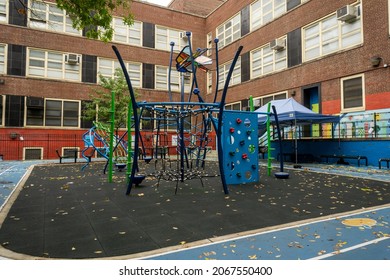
{"x":342,"y":157}
{"x":68,"y":154}
{"x":387,"y":160}
{"x":292,"y":157}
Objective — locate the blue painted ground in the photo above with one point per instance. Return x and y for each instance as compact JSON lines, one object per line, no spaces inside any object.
{"x":327,"y":239}
{"x":11,"y":172}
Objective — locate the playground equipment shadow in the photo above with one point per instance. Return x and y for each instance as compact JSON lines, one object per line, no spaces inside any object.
{"x":62,"y":212}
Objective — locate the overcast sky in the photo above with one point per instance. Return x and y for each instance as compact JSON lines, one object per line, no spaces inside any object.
{"x":159,"y":2}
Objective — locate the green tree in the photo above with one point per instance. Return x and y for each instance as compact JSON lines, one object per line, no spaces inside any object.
{"x":100,"y":107}
{"x":93,"y":16}
{"x":96,"y":15}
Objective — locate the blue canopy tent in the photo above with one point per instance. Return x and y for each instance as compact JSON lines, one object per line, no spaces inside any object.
{"x":291,"y":113}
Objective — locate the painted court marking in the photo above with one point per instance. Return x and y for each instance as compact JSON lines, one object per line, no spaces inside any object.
{"x":364,"y":244}
{"x":7,"y":170}
{"x":319,"y":239}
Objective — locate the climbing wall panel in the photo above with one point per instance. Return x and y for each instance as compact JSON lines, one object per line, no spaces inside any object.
{"x":240,"y":147}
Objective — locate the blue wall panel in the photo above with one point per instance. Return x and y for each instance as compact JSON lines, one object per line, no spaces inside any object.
{"x":240,"y":147}
{"x":372,"y":149}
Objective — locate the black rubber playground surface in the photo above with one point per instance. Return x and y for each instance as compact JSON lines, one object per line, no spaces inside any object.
{"x":63,"y":212}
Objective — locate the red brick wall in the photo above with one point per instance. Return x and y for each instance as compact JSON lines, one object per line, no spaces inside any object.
{"x":326,"y":71}
{"x":60,"y":42}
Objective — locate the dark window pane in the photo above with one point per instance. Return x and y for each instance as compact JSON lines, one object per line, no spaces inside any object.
{"x":53,"y":113}
{"x":353,"y":93}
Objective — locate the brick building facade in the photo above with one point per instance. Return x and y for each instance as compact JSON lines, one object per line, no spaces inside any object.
{"x":322,"y":55}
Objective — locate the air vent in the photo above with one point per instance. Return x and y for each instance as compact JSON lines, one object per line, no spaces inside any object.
{"x":347,"y":13}
{"x":35,"y":102}
{"x":72,"y":58}
{"x":183,"y":36}
{"x":278,"y":44}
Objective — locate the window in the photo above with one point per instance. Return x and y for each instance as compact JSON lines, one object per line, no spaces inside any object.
{"x":35,"y":111}
{"x":127,"y":34}
{"x":264,"y":11}
{"x":209,"y":44}
{"x":44,"y":15}
{"x":3,"y":59}
{"x":224,"y":70}
{"x":164,"y":37}
{"x":161,"y":79}
{"x":3,"y":10}
{"x":229,"y":31}
{"x":30,"y":153}
{"x":261,"y":101}
{"x":53,"y":112}
{"x":233,"y":106}
{"x":147,"y":119}
{"x":352,"y":94}
{"x":330,"y":35}
{"x":165,"y":120}
{"x":106,"y":67}
{"x":1,"y":110}
{"x":265,"y":60}
{"x":209,"y":82}
{"x":52,"y":65}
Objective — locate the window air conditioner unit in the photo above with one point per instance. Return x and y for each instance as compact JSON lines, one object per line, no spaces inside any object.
{"x":278,"y":44}
{"x":35,"y":102}
{"x":183,"y":36}
{"x":347,"y":13}
{"x":72,"y":58}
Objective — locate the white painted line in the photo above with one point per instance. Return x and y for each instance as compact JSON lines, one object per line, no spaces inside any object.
{"x":27,"y":171}
{"x":220,"y":240}
{"x":357,"y":246}
{"x":7,"y":170}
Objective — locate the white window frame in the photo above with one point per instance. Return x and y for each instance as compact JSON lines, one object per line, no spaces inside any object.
{"x":3,"y":64}
{"x":161,"y":79}
{"x":106,"y":67}
{"x":166,"y":125}
{"x":128,"y":33}
{"x":324,"y":35}
{"x":259,"y":101}
{"x":226,"y":33}
{"x":354,"y":109}
{"x":230,"y":106}
{"x":209,"y":40}
{"x":40,"y":18}
{"x":44,"y":116}
{"x":62,"y":113}
{"x":32,"y":148}
{"x":258,"y":14}
{"x":2,"y":116}
{"x":67,"y":70}
{"x":164,"y":36}
{"x":269,"y":61}
{"x":224,"y":70}
{"x":4,"y":14}
{"x":209,"y":82}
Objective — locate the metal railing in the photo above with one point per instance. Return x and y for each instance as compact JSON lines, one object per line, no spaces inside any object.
{"x":38,"y":146}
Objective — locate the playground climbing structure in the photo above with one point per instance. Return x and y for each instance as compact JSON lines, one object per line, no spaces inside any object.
{"x":191,"y":119}
{"x":97,"y":139}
